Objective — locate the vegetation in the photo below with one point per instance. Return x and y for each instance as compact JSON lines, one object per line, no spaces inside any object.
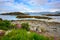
{"x":14,"y":13}
{"x":38,"y":17}
{"x":25,"y":26}
{"x":5,"y":25}
{"x":0,"y":19}
{"x":23,"y":35}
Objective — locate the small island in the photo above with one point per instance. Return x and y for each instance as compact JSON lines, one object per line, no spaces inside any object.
{"x":38,"y":17}
{"x":14,"y":13}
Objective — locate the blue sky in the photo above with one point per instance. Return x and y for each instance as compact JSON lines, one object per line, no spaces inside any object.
{"x":29,"y":5}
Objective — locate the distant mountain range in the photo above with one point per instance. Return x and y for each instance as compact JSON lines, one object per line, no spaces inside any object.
{"x":44,"y":13}
{"x":32,"y":13}
{"x":53,"y":14}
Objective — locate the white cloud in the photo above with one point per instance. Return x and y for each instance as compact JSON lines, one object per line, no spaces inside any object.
{"x":56,"y":5}
{"x":17,"y":7}
{"x":6,"y":0}
{"x":35,"y":4}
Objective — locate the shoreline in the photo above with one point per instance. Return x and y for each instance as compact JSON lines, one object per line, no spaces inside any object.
{"x":53,"y":28}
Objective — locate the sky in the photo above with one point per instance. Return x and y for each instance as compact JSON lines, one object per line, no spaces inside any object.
{"x":29,"y":5}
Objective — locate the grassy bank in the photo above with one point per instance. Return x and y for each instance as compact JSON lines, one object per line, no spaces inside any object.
{"x":17,"y":31}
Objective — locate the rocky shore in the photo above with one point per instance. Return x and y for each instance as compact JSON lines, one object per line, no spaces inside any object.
{"x":49,"y":28}
{"x":37,"y":17}
{"x":58,"y":14}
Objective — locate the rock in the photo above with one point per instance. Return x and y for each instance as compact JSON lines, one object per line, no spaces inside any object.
{"x":18,"y":26}
{"x":2,"y":32}
{"x":7,"y":32}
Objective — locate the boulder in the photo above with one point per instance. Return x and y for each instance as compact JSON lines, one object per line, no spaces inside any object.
{"x":2,"y":32}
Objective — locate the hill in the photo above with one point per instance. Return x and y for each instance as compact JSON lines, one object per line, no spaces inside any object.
{"x":14,"y":13}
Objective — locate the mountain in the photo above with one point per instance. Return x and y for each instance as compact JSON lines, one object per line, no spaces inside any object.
{"x":40,"y":13}
{"x":55,"y":14}
{"x":31,"y":13}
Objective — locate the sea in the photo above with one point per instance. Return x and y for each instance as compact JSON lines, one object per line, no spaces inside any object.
{"x":13,"y":17}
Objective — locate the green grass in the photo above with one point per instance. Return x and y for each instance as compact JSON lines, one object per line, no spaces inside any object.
{"x":23,"y":35}
{"x":20,"y":34}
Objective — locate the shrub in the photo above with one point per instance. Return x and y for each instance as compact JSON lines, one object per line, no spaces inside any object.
{"x":25,"y":26}
{"x":40,"y":37}
{"x":16,"y":35}
{"x":0,"y":19}
{"x":23,"y":35}
{"x":5,"y":25}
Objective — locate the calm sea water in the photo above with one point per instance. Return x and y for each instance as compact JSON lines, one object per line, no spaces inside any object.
{"x":10,"y":17}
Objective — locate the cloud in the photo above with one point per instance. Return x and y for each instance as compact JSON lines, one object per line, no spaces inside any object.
{"x":52,"y":3}
{"x":29,"y":5}
{"x":9,"y":6}
{"x":45,"y":5}
{"x":55,"y":5}
{"x":38,"y":2}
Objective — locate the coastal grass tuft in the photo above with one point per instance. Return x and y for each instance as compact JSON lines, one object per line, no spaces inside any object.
{"x":22,"y":34}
